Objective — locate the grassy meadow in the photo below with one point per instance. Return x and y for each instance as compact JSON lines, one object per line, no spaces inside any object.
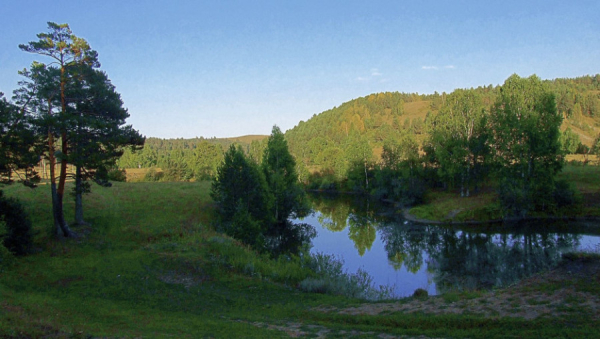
{"x":150,"y":265}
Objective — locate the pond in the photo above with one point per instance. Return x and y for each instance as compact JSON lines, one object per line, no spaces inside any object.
{"x":407,"y":256}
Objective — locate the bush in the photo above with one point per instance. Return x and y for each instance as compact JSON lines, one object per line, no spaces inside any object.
{"x":564,"y":194}
{"x":117,"y":174}
{"x":17,"y":235}
{"x":6,"y":258}
{"x":514,"y":199}
{"x":420,"y":293}
{"x":244,"y":227}
{"x":153,"y":175}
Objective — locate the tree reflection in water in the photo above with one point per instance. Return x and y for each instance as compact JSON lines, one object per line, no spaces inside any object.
{"x":455,"y":258}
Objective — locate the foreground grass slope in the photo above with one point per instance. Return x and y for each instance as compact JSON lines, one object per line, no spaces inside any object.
{"x":149,"y":265}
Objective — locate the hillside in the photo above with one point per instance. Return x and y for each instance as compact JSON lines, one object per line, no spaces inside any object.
{"x":328,"y":138}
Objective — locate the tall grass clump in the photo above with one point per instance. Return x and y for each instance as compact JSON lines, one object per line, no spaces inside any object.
{"x":230,"y":253}
{"x":331,"y":278}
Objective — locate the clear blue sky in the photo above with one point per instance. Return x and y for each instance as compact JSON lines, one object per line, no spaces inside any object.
{"x":230,"y":68}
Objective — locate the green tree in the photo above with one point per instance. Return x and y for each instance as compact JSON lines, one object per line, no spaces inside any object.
{"x":80,"y":111}
{"x":100,"y":134}
{"x":49,"y":83}
{"x":525,"y":126}
{"x":360,"y":158}
{"x":279,"y":168}
{"x":458,"y":138}
{"x":570,"y":141}
{"x":242,"y":197}
{"x":18,"y":144}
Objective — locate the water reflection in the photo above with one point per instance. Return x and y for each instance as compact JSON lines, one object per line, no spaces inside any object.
{"x":447,"y":258}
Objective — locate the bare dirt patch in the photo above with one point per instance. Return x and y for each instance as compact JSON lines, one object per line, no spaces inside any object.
{"x":551,"y":294}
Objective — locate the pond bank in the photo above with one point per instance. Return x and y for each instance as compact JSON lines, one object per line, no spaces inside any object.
{"x":450,"y":221}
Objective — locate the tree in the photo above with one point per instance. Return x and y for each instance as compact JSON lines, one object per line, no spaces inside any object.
{"x":77,"y":108}
{"x":360,"y":157}
{"x":525,"y":125}
{"x":289,"y":200}
{"x":18,"y":144}
{"x":49,"y":83}
{"x":243,"y":202}
{"x":570,"y":141}
{"x":100,"y":134}
{"x":279,"y":168}
{"x":458,"y":138}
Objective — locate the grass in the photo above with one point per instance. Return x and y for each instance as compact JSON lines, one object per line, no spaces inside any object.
{"x":150,"y":265}
{"x":448,"y":206}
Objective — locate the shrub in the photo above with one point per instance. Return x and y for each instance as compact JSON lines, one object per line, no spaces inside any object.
{"x":153,"y":175}
{"x":17,"y":236}
{"x":420,"y":293}
{"x":6,"y":258}
{"x":117,"y":174}
{"x":564,"y":194}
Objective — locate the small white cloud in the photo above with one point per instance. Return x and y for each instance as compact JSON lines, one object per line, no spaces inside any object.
{"x":375,"y":72}
{"x":429,"y":67}
{"x":362,"y":79}
{"x":450,"y":67}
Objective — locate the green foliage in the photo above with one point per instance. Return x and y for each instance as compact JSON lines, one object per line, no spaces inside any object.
{"x":570,"y":141}
{"x":77,"y":113}
{"x":199,"y":156}
{"x":565,"y":194}
{"x":7,"y":259}
{"x":117,"y":174}
{"x":153,"y":175}
{"x":17,"y":236}
{"x":596,"y":146}
{"x":458,"y":142}
{"x":525,"y":125}
{"x":279,"y":168}
{"x":18,"y":144}
{"x":241,"y":194}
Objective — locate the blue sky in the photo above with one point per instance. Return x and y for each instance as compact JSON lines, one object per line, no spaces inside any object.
{"x":230,"y":68}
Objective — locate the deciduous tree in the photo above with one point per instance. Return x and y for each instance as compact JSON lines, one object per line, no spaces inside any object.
{"x":525,"y":125}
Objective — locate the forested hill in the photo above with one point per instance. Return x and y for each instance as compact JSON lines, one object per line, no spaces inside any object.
{"x":329,"y":138}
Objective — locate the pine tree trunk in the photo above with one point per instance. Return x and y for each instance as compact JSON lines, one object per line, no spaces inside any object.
{"x":78,"y":198}
{"x":60,"y":192}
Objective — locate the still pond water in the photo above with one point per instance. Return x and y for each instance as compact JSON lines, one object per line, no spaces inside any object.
{"x":395,"y":252}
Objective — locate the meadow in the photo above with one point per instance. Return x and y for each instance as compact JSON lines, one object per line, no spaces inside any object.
{"x":150,"y":265}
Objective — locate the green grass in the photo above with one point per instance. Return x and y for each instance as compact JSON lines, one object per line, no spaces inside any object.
{"x":585,"y":178}
{"x":449,"y":206}
{"x":150,"y":265}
